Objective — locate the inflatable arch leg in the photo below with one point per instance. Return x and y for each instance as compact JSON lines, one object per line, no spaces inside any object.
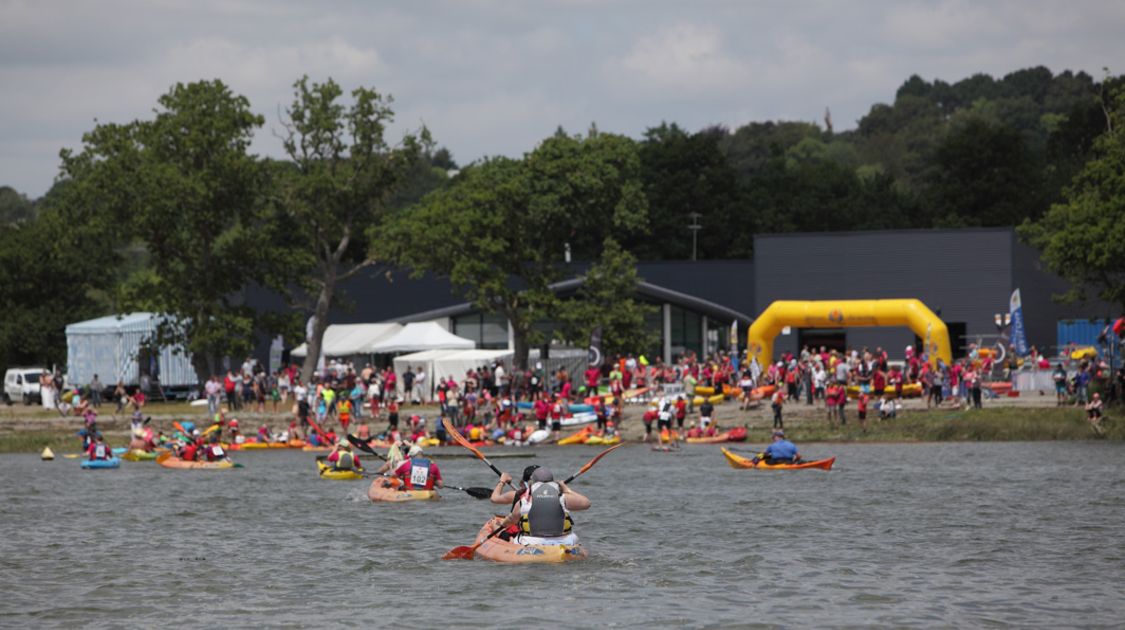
{"x":910,"y":313}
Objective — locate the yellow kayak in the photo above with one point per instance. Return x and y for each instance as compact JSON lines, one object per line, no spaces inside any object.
{"x":603,"y":440}
{"x":327,"y":472}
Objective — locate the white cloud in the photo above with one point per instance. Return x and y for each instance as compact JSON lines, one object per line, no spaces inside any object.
{"x":683,"y":57}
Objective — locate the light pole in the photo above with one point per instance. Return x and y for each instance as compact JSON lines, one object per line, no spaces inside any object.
{"x":694,"y":227}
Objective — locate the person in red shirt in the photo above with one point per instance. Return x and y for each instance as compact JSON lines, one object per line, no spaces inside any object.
{"x":98,"y":449}
{"x":342,"y":458}
{"x":861,"y":409}
{"x":214,"y":452}
{"x":557,"y":416}
{"x":542,"y":408}
{"x":417,"y":472}
{"x":681,"y":412}
{"x":593,"y":376}
{"x":878,"y":381}
{"x":190,"y":452}
{"x":648,"y":418}
{"x":776,"y":403}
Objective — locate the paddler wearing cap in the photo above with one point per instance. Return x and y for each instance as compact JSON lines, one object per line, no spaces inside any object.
{"x":543,"y":511}
{"x":342,"y":457}
{"x":417,"y":472}
{"x":781,"y":451}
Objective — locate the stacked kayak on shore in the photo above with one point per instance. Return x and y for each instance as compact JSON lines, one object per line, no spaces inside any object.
{"x":736,"y":461}
{"x":389,"y":489}
{"x":169,"y":460}
{"x":737,"y":434}
{"x":499,"y":550}
{"x":96,"y":464}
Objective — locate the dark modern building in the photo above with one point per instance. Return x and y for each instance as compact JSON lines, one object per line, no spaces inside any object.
{"x":966,"y":276}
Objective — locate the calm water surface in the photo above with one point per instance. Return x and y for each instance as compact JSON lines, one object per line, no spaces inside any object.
{"x":1020,"y":534}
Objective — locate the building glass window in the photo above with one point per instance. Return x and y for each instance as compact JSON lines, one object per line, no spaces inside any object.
{"x":687,"y":332}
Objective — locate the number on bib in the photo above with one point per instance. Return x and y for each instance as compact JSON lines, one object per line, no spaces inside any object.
{"x":419,"y":475}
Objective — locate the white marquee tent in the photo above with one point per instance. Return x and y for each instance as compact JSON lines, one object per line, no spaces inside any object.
{"x":418,"y":336}
{"x":345,"y":340}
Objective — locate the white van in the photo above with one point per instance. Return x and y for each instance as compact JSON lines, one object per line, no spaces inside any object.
{"x":22,"y":384}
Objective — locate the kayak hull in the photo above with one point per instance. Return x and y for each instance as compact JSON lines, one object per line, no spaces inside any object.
{"x":137,"y":455}
{"x":169,"y":460}
{"x":326,"y":472}
{"x":383,"y":490}
{"x":599,"y":440}
{"x":98,"y":464}
{"x":499,"y":550}
{"x":736,"y":461}
{"x":734,"y":435}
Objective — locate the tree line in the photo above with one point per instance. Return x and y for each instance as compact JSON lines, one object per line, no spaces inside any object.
{"x":173,"y":214}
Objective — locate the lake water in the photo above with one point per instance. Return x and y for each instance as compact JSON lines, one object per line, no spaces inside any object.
{"x":1022,"y":534}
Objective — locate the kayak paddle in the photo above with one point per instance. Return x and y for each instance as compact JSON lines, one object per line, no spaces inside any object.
{"x":460,"y":439}
{"x":467,"y":553}
{"x":364,"y":446}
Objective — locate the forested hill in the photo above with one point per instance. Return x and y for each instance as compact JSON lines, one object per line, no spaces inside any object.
{"x":977,"y":152}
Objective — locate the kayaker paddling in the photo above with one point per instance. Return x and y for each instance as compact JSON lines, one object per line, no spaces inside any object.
{"x":781,"y":451}
{"x":99,"y":450}
{"x":417,"y":472}
{"x":214,"y":452}
{"x":543,"y":512}
{"x":511,"y":497}
{"x":342,"y":457}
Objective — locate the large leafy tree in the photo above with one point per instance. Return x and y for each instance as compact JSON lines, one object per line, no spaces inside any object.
{"x":499,"y":231}
{"x":607,"y":299}
{"x":345,"y":173}
{"x":1083,"y":238}
{"x":183,"y":187}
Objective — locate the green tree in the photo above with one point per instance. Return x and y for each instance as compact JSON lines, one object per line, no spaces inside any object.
{"x":344,"y":173}
{"x":183,"y":186}
{"x":1083,"y":238}
{"x":14,"y":206}
{"x":499,"y":231}
{"x":606,"y":299}
{"x":53,"y":270}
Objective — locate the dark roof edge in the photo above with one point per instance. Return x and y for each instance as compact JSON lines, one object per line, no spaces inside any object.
{"x":1009,"y":228}
{"x":644,"y":288}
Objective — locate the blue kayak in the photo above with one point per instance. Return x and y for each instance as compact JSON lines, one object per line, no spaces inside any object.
{"x":113,"y":462}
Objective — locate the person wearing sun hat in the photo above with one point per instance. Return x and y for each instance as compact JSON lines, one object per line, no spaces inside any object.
{"x":418,"y":472}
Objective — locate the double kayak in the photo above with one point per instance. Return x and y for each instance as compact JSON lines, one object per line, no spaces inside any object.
{"x":500,"y":550}
{"x":390,"y":489}
{"x":743,"y":462}
{"x":95,"y":464}
{"x":170,"y":460}
{"x":327,"y":472}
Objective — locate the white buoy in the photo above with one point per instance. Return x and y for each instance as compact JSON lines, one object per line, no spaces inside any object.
{"x":47,"y":454}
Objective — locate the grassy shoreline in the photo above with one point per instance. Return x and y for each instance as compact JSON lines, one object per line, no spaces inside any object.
{"x":29,"y":434}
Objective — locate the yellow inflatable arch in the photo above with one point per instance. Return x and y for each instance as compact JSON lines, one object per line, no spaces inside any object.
{"x":846,"y":314}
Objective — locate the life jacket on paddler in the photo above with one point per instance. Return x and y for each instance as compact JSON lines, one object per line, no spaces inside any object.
{"x":345,"y":461}
{"x":542,"y":512}
{"x":214,"y":452}
{"x":420,"y":477}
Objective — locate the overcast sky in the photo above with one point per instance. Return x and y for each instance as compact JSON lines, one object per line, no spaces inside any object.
{"x":491,"y":77}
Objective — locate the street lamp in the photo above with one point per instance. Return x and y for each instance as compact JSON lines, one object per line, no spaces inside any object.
{"x":694,"y":227}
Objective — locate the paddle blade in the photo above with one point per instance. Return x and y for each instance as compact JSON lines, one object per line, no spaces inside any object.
{"x":478,"y":492}
{"x":463,"y":552}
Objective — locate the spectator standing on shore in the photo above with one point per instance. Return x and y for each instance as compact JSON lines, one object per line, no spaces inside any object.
{"x":1094,"y":413}
{"x":1082,"y":384}
{"x":408,"y":384}
{"x":211,"y":389}
{"x":1059,"y":376}
{"x":96,"y":388}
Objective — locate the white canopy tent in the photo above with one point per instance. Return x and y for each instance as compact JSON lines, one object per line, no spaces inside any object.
{"x":345,"y":340}
{"x":455,"y":364}
{"x":424,"y":360}
{"x":418,"y":336}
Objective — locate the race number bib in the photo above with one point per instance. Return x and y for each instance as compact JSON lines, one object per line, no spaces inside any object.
{"x":218,"y":451}
{"x":419,"y":475}
{"x":99,"y":452}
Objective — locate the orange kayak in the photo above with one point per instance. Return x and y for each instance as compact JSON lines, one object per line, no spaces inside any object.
{"x":499,"y":550}
{"x":743,"y":462}
{"x":168,"y":460}
{"x":737,"y":434}
{"x":390,"y":490}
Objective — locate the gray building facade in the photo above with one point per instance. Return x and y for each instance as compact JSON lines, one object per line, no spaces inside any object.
{"x":966,"y":276}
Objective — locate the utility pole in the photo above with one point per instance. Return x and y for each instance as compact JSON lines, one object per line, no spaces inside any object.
{"x":694,"y":227}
